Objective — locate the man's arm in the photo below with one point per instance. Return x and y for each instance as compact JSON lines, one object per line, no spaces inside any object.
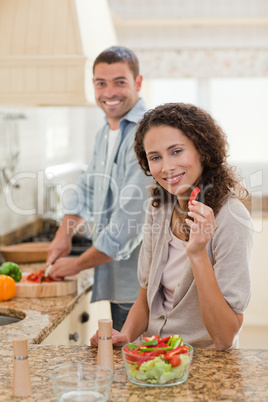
{"x":72,"y":266}
{"x":62,"y":242}
{"x":61,"y":246}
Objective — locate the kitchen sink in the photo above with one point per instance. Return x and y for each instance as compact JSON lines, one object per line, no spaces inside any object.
{"x":10,"y":316}
{"x":5,"y":320}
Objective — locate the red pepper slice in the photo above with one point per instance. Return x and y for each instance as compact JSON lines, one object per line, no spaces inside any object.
{"x":151,"y":338}
{"x":36,"y":277}
{"x":165,"y":340}
{"x":156,"y":353}
{"x":162,"y":345}
{"x":193,"y":194}
{"x":178,"y":350}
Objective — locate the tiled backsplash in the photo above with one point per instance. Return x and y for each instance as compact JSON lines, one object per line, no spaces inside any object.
{"x":47,"y":136}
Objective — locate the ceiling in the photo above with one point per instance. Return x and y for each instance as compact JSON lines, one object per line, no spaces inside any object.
{"x":195,"y":37}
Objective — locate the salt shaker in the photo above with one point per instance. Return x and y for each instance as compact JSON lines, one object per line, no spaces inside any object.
{"x":21,"y":374}
{"x":105,"y":346}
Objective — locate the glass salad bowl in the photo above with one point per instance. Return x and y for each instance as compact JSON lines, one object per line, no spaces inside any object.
{"x":157,"y":364}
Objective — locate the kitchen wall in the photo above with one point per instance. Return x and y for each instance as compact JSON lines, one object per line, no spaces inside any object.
{"x":48,"y":136}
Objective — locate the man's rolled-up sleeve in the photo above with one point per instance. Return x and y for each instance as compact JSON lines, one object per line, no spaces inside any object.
{"x":124,"y":231}
{"x":78,"y":199}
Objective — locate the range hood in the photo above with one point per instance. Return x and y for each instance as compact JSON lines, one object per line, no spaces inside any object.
{"x":47,"y":48}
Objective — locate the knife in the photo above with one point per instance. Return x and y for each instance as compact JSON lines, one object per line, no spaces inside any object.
{"x":47,"y":270}
{"x":45,"y":275}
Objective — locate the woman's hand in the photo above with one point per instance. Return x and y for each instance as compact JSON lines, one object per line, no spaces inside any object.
{"x":118,"y":339}
{"x":202,"y":228}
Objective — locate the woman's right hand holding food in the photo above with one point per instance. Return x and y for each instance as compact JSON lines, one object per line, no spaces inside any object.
{"x":202,"y":227}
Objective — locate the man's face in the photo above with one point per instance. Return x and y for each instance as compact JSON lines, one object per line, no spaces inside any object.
{"x":116,"y":90}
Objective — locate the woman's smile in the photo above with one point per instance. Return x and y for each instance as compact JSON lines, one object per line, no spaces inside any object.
{"x":174,"y":179}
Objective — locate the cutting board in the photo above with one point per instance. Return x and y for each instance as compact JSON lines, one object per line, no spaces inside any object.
{"x":46,"y":289}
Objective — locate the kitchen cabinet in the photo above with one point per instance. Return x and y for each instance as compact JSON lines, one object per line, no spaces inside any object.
{"x":75,"y":329}
{"x":78,"y":327}
{"x":47,"y":49}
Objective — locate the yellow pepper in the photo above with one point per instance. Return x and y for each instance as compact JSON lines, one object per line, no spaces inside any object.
{"x":7,"y":287}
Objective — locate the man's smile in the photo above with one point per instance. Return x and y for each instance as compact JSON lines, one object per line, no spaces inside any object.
{"x":112,"y":103}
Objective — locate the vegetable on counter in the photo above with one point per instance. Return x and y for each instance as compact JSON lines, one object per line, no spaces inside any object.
{"x":11,"y":269}
{"x":158,"y":360}
{"x":38,"y":277}
{"x":7,"y":287}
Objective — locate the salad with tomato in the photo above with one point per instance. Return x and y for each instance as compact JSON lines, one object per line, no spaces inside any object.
{"x":159,"y":361}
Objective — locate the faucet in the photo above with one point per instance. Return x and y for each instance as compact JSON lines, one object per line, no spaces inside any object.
{"x":7,"y":175}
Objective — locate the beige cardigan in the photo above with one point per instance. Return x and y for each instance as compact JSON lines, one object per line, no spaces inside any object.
{"x":229,"y":251}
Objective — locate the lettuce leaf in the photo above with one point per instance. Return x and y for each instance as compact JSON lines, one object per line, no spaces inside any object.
{"x":159,"y":371}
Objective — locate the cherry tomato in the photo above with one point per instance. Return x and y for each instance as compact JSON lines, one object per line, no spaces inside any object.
{"x":175,"y":361}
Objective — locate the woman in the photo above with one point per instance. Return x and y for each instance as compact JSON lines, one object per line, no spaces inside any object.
{"x":194,"y":262}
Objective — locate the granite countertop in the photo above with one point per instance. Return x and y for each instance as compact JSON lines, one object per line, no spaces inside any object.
{"x":42,"y":315}
{"x":237,"y":375}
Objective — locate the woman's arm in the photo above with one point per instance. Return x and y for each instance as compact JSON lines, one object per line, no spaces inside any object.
{"x":135,"y":325}
{"x":138,"y":317}
{"x":222,"y":323}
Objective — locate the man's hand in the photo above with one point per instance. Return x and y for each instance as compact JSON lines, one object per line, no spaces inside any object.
{"x":64,"y":267}
{"x":62,"y":242}
{"x":60,"y":247}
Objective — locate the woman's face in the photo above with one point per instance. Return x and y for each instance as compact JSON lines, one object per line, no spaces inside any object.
{"x":173,"y":159}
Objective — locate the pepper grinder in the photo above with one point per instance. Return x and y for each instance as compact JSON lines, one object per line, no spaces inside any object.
{"x":21,"y":374}
{"x":105,"y":347}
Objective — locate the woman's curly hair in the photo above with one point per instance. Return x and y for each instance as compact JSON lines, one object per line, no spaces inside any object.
{"x":218,"y":180}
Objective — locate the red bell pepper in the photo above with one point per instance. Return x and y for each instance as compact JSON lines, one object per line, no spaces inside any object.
{"x":151,"y":338}
{"x":155,"y":353}
{"x":164,"y":340}
{"x":176,"y":351}
{"x":193,"y":194}
{"x":38,"y":277}
{"x":169,"y":347}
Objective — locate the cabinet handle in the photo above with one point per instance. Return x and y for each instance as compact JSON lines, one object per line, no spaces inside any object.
{"x":74,"y":337}
{"x":84,"y":317}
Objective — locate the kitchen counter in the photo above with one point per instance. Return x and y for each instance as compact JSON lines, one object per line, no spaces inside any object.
{"x":42,"y":315}
{"x":237,"y":375}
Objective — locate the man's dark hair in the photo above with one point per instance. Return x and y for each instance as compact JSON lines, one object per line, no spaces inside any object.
{"x":118,"y":54}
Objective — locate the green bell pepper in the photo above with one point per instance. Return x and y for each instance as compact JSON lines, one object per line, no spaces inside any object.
{"x":11,"y":269}
{"x":145,"y":349}
{"x":153,"y":342}
{"x":130,"y":345}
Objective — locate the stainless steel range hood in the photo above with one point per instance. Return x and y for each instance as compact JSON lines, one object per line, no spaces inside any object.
{"x":47,"y":48}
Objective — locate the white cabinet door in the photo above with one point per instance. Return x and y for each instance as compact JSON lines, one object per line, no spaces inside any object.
{"x":75,"y":328}
{"x":257,"y":311}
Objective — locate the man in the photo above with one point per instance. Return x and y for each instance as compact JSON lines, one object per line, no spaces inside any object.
{"x":112,"y":192}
